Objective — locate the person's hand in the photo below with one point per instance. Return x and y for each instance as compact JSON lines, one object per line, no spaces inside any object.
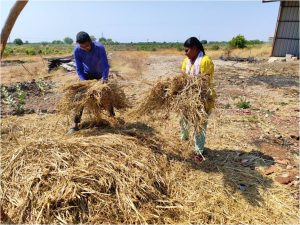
{"x":104,"y":81}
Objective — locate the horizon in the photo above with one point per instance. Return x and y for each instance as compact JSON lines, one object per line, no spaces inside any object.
{"x":139,"y":21}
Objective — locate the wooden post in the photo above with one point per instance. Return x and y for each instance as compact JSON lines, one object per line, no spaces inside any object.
{"x":10,"y":21}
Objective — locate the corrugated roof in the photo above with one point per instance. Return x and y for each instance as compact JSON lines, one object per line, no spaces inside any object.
{"x":286,"y":38}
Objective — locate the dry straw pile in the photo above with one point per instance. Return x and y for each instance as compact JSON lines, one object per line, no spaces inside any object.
{"x":93,"y":96}
{"x":126,"y":176}
{"x":190,"y":97}
{"x":107,"y":179}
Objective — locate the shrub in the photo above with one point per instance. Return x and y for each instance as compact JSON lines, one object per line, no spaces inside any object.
{"x":243,"y":103}
{"x":21,"y":96}
{"x":238,"y":41}
{"x":30,"y":51}
{"x":8,"y":51}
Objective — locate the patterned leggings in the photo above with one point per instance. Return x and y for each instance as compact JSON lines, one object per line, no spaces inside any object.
{"x":199,"y":138}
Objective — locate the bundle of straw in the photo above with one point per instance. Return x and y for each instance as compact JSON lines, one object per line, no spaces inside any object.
{"x":93,"y":96}
{"x":191,"y":97}
{"x":106,"y":179}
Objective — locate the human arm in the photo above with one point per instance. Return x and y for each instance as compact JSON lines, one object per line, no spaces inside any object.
{"x":79,"y":65}
{"x":104,"y":63}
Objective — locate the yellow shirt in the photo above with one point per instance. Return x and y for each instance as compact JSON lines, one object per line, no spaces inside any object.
{"x":206,"y":68}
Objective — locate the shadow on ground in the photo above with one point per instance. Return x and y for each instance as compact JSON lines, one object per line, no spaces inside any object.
{"x":237,"y":166}
{"x":275,"y":81}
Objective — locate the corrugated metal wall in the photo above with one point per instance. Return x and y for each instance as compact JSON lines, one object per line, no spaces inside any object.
{"x":286,"y":40}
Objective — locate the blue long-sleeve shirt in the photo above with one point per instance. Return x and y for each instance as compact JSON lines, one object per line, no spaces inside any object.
{"x":92,"y":64}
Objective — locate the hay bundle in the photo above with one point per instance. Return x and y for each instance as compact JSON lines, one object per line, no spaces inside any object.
{"x":93,"y":96}
{"x":106,"y":179}
{"x":191,"y":97}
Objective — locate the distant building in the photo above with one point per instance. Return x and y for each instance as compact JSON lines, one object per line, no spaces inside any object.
{"x":286,"y":37}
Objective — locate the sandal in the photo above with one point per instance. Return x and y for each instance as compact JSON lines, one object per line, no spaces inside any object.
{"x":198,"y":159}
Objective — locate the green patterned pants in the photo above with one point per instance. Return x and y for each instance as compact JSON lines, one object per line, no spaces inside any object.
{"x":199,"y":138}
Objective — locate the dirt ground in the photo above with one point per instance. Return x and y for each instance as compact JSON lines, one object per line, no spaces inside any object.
{"x":263,"y":138}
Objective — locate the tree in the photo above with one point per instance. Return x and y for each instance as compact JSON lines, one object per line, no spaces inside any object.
{"x":238,"y":41}
{"x":68,"y":40}
{"x":102,"y":39}
{"x":204,"y":42}
{"x":10,"y":21}
{"x":18,"y":41}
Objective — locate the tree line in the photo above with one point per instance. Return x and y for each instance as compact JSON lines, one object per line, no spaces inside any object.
{"x":238,"y":41}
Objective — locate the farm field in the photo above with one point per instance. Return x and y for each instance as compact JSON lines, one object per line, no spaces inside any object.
{"x":136,"y":169}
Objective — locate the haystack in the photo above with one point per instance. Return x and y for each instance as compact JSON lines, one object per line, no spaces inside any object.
{"x":127,"y":176}
{"x":107,"y":179}
{"x":93,"y":96}
{"x":191,"y":97}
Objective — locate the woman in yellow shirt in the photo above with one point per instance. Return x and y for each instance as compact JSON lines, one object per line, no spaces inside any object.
{"x":197,"y":64}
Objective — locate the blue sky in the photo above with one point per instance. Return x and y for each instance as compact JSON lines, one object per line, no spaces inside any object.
{"x":127,"y":21}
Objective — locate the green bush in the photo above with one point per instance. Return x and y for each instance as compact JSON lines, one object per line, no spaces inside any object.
{"x":18,"y":41}
{"x":243,"y":103}
{"x":8,"y":51}
{"x":238,"y":41}
{"x":30,"y":51}
{"x":21,"y":97}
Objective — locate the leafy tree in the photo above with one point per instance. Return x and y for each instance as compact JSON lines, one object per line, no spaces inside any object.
{"x":204,"y":42}
{"x":68,"y":40}
{"x":26,"y":42}
{"x":238,"y":41}
{"x":18,"y":41}
{"x":106,"y":41}
{"x":102,"y":39}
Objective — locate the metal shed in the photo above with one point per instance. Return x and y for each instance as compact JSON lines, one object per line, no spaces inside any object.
{"x":286,"y":37}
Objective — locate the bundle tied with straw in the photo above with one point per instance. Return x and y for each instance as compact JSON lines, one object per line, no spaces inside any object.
{"x":192,"y":97}
{"x":93,"y":96}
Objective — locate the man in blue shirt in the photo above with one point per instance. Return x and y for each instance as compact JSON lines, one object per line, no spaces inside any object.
{"x":90,"y":57}
{"x":91,"y":63}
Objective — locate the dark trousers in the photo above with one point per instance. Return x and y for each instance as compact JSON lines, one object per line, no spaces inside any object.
{"x":78,"y":114}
